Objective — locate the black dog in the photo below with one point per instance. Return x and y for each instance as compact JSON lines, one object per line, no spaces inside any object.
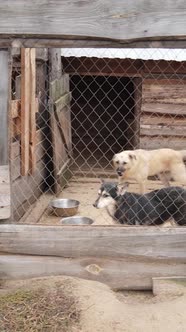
{"x":153,"y":208}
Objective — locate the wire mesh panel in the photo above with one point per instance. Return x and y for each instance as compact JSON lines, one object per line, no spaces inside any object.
{"x":73,"y":111}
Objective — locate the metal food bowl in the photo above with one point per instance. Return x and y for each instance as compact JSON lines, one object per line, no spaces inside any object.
{"x":76,"y":220}
{"x":64,"y":207}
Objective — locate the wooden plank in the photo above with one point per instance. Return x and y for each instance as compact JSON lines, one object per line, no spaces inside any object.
{"x":63,"y":101}
{"x":20,"y":210}
{"x":5,"y":208}
{"x":4,"y":95}
{"x":24,"y":187}
{"x":135,"y":126}
{"x":79,"y":42}
{"x":166,"y":109}
{"x":55,"y":64}
{"x":161,"y":92}
{"x":16,"y":162}
{"x":25,"y":109}
{"x":157,"y":142}
{"x":109,"y":19}
{"x":103,"y":67}
{"x":15,"y":107}
{"x":113,"y":242}
{"x":18,"y":87}
{"x":32,"y":120}
{"x":118,"y":274}
{"x":161,"y":130}
{"x":164,"y":120}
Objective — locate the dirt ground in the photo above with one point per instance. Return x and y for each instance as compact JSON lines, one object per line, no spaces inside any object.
{"x":99,"y":309}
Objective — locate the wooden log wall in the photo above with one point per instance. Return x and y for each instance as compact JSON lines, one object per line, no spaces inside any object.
{"x":163,"y":117}
{"x":122,"y":257}
{"x":26,"y":189}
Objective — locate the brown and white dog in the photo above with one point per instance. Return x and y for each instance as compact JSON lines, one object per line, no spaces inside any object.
{"x":139,"y":164}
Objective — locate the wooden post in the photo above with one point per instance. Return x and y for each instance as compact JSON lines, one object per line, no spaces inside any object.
{"x":25,"y":107}
{"x":4,"y":94}
{"x":137,"y":81}
{"x":5,"y":71}
{"x":32,"y":110}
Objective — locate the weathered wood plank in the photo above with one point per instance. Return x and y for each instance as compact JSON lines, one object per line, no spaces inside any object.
{"x":16,"y":162}
{"x":15,"y":107}
{"x":25,"y":109}
{"x":59,"y":42}
{"x":4,"y":192}
{"x":63,"y":101}
{"x":162,"y":130}
{"x":100,"y":67}
{"x":161,"y":92}
{"x":135,"y":126}
{"x":109,"y":19}
{"x":157,"y":142}
{"x":4,"y":94}
{"x":164,"y":120}
{"x":166,"y":109}
{"x":24,"y":187}
{"x":32,"y":120}
{"x":118,"y":274}
{"x":113,"y":242}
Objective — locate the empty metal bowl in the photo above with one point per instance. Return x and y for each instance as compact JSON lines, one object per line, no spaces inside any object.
{"x":76,"y":220}
{"x":64,"y":207}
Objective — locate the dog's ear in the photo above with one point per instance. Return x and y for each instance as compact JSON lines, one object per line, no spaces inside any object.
{"x":122,"y":188}
{"x":132,"y":156}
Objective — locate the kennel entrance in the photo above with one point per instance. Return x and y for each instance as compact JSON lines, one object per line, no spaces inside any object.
{"x":103,"y":119}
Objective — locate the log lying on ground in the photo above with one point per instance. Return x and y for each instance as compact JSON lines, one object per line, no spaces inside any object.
{"x":118,"y":274}
{"x":122,"y":257}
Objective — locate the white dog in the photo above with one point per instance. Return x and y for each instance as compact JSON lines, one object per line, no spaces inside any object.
{"x":139,"y":164}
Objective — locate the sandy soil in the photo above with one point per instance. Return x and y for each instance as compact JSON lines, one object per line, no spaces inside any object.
{"x":102,"y":310}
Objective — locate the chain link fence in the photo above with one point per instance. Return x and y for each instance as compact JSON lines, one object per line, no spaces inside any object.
{"x":72,"y":110}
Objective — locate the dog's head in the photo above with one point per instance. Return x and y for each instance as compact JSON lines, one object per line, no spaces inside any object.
{"x":123,"y":161}
{"x":108,"y":193}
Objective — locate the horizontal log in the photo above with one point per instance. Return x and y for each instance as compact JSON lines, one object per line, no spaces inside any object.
{"x":157,"y":142}
{"x":160,"y":92}
{"x":164,"y":120}
{"x":113,"y":242}
{"x":118,"y":274}
{"x":82,"y":42}
{"x":161,"y":130}
{"x":109,"y":19}
{"x":164,"y":108}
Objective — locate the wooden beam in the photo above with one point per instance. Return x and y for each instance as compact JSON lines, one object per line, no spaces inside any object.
{"x":100,"y":67}
{"x":80,"y":42}
{"x":25,"y":109}
{"x":122,"y":257}
{"x":162,"y":130}
{"x":4,"y":95}
{"x":32,"y":120}
{"x":164,"y":109}
{"x":95,"y":241}
{"x":111,"y":19}
{"x":118,"y":274}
